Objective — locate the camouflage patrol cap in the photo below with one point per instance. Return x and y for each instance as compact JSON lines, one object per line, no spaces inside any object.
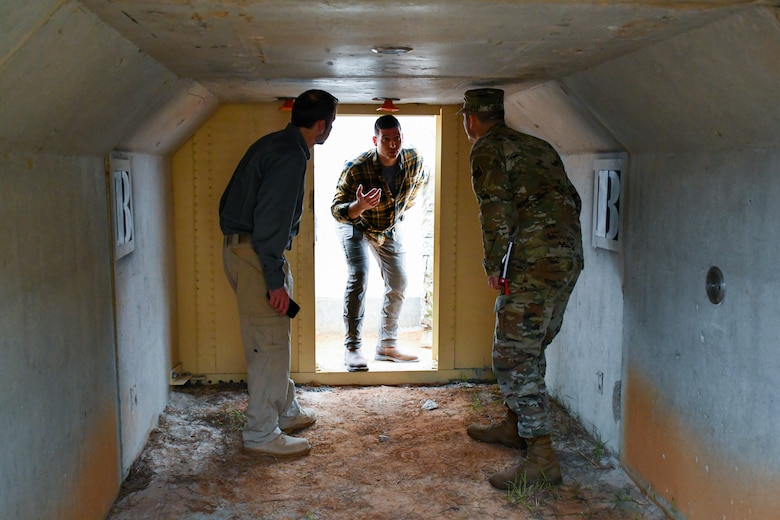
{"x":483,"y":100}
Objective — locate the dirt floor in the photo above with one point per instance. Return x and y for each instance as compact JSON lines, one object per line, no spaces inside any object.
{"x":377,"y":453}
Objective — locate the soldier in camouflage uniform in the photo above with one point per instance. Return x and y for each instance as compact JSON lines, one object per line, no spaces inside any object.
{"x":526,"y":199}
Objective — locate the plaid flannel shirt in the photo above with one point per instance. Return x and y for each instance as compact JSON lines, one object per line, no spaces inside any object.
{"x":366,"y":169}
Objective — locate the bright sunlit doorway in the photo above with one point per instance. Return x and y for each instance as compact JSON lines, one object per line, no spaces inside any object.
{"x":351,"y":135}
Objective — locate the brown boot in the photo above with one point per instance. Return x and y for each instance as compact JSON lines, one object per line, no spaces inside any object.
{"x":540,"y":466}
{"x":394,"y":354}
{"x":502,"y":433}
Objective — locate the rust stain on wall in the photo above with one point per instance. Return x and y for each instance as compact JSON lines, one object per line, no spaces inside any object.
{"x":690,"y":473}
{"x":95,"y":482}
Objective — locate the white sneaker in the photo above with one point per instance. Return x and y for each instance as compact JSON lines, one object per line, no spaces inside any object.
{"x":306,"y":418}
{"x":282,"y":447}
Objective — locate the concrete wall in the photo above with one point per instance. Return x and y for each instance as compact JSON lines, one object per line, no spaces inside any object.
{"x":700,"y":118}
{"x":585,"y":360}
{"x":79,"y":397}
{"x":701,"y":378}
{"x":82,"y":383}
{"x":58,"y":402}
{"x":145,"y":306}
{"x":688,"y":386}
{"x":85,"y":362}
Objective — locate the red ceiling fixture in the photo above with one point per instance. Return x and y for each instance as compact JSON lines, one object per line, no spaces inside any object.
{"x":287,"y":105}
{"x":387,"y":105}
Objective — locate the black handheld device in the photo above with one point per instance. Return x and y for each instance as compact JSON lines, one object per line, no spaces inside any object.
{"x":292,"y":310}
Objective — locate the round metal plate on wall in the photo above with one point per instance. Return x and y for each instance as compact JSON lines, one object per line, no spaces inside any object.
{"x":716,"y":285}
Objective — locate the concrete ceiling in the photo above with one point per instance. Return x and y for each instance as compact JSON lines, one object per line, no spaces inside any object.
{"x":254,"y":51}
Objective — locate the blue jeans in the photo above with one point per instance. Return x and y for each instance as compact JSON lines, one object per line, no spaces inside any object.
{"x":390,"y":257}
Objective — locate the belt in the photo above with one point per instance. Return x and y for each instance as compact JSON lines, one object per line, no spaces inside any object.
{"x":238,"y":238}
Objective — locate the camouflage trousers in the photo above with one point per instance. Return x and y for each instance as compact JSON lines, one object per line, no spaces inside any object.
{"x":527,"y":320}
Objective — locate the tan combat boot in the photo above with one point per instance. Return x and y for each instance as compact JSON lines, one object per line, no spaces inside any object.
{"x":540,"y":466}
{"x":502,"y":433}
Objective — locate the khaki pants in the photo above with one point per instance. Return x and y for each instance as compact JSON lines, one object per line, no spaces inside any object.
{"x":266,"y":339}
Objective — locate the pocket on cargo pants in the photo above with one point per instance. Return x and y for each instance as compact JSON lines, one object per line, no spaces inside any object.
{"x":521,"y":322}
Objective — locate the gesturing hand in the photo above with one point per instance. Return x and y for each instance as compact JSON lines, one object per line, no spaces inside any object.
{"x":370,"y":199}
{"x":364,"y":201}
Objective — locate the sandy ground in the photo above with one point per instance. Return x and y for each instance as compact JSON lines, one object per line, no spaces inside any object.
{"x":377,"y":453}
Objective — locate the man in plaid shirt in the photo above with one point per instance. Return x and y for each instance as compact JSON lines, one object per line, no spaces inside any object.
{"x":373,"y":193}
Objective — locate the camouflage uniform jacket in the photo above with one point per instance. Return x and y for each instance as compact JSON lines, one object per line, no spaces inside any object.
{"x":366,"y":169}
{"x":523,"y":192}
